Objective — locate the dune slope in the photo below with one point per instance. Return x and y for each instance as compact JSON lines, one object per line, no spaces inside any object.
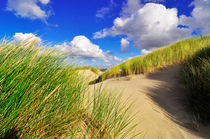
{"x":160,"y":104}
{"x":176,"y":53}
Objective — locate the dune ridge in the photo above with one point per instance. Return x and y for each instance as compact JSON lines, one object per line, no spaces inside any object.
{"x":160,"y":104}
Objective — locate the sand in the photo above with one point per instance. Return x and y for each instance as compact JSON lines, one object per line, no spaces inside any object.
{"x":160,"y":105}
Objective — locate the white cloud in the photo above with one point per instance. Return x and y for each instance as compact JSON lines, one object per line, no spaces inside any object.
{"x":93,"y":60}
{"x":124,"y":44}
{"x":144,"y":51}
{"x":154,"y":1}
{"x":102,"y":12}
{"x":102,"y":34}
{"x":108,"y":52}
{"x":28,"y":8}
{"x":150,"y":26}
{"x":200,"y":17}
{"x":112,"y":60}
{"x":115,"y":58}
{"x":44,"y":1}
{"x":82,"y":47}
{"x":20,"y":37}
{"x":130,"y":7}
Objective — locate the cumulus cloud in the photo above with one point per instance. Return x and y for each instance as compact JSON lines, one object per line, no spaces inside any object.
{"x":82,"y":47}
{"x":20,"y":37}
{"x":124,"y":44}
{"x":28,"y":8}
{"x":150,"y":26}
{"x":200,"y":19}
{"x":130,"y":7}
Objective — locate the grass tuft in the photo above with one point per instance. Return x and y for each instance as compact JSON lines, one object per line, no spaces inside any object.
{"x":196,"y":76}
{"x":109,"y":117}
{"x":43,"y":96}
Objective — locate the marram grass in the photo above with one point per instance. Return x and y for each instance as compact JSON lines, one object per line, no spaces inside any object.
{"x":43,"y":96}
{"x":196,"y":75}
{"x":40,"y":95}
{"x":108,"y":117}
{"x":175,"y":53}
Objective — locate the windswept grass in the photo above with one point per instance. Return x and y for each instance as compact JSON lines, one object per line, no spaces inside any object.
{"x":196,"y":76}
{"x":108,"y":117}
{"x":40,"y":94}
{"x":43,"y":96}
{"x":175,"y":53}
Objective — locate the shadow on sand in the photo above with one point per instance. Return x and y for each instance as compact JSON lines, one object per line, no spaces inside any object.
{"x":171,"y":96}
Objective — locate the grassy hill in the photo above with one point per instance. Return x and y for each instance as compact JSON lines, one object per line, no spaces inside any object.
{"x":193,"y":54}
{"x":176,"y":53}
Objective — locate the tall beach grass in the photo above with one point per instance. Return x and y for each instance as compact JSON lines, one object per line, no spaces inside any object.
{"x":43,"y":96}
{"x":196,"y":76}
{"x":175,"y":53}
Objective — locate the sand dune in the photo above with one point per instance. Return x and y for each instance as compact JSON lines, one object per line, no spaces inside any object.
{"x":89,"y":75}
{"x":159,"y":101}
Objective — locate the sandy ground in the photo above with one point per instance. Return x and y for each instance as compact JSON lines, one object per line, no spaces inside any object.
{"x":160,"y":105}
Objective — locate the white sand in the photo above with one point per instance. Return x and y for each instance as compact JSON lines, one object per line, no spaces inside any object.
{"x":159,"y":101}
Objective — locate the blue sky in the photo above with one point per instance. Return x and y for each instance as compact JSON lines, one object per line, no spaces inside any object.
{"x":105,"y":32}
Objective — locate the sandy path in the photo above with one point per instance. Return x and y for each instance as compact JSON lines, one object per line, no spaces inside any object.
{"x":159,"y":99}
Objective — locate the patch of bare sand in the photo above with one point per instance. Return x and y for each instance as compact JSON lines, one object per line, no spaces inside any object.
{"x":159,"y":101}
